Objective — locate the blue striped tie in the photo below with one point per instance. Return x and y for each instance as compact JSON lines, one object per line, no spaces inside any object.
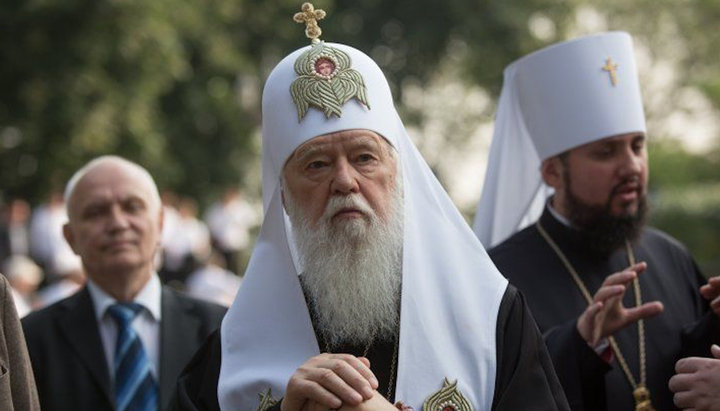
{"x":135,"y":387}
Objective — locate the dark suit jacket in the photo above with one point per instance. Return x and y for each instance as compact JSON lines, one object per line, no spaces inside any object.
{"x":17,"y":386}
{"x":68,"y":358}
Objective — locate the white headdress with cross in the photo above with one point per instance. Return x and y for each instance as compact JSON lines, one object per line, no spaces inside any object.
{"x":554,"y":99}
{"x":451,"y":291}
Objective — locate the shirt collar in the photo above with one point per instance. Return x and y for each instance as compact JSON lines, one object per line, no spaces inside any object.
{"x":149,"y":297}
{"x":564,"y":221}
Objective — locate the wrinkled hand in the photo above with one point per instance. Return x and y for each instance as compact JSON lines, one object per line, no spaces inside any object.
{"x":606,"y":314}
{"x":711,"y":292}
{"x":376,"y":403}
{"x":329,"y":381}
{"x":697,"y":382}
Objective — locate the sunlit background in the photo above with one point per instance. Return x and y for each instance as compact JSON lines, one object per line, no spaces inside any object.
{"x":175,"y":85}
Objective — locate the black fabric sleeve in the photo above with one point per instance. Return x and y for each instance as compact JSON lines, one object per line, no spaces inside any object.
{"x":698,"y":337}
{"x":196,"y":388}
{"x":525,"y":377}
{"x":580,"y":369}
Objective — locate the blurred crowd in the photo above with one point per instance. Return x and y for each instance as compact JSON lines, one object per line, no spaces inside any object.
{"x":203,"y":256}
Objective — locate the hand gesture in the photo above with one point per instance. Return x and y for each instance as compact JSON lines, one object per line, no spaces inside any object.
{"x":606,"y":314}
{"x":697,"y":382}
{"x":711,"y":292}
{"x":329,"y":381}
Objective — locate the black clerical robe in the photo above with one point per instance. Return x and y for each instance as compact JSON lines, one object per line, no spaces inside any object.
{"x":525,"y":378}
{"x":685,"y":327}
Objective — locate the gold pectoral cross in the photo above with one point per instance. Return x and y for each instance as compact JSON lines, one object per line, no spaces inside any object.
{"x":612,"y":70}
{"x":310,"y":17}
{"x":642,"y":399}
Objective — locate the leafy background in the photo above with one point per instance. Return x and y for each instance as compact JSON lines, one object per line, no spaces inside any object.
{"x":175,"y":85}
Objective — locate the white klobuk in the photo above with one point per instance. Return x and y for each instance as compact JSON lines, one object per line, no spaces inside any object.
{"x":451,"y":291}
{"x":553,"y":100}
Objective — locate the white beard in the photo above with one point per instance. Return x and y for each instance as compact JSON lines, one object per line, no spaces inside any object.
{"x":352,"y":269}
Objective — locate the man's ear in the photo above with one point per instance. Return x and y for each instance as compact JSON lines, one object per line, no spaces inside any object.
{"x":552,"y":172}
{"x":161,"y":221}
{"x":68,"y":234}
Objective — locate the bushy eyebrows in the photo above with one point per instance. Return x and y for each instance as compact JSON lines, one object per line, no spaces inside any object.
{"x":357,"y":143}
{"x":305,"y":152}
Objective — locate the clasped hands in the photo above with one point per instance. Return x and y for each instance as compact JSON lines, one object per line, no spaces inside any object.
{"x":606,"y":314}
{"x":696,"y":383}
{"x":334,"y":381}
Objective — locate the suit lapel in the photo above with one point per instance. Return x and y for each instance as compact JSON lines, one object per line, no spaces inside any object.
{"x":179,"y":337}
{"x":79,"y":327}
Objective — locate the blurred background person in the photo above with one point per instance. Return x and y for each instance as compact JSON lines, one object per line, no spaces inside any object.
{"x":230,"y":220}
{"x":185,"y":243}
{"x":47,"y":246}
{"x":211,"y":281}
{"x":14,"y":229}
{"x":67,"y":280}
{"x":24,"y":277}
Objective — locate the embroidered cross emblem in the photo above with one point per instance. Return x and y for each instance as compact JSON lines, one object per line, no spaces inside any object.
{"x":612,"y":70}
{"x":310,"y":17}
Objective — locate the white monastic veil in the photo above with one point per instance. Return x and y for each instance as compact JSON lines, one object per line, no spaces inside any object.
{"x":513,"y":178}
{"x":553,"y":100}
{"x":451,"y":291}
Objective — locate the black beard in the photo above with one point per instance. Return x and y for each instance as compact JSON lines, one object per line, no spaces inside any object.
{"x":602,"y":233}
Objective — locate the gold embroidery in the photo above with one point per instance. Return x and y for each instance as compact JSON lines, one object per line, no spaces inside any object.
{"x":310,"y":17}
{"x":448,"y":398}
{"x":266,"y":400}
{"x":325,"y":79}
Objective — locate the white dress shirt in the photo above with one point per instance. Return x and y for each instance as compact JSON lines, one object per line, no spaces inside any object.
{"x":146,"y":323}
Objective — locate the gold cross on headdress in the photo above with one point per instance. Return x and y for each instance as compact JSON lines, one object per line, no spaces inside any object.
{"x":310,"y":17}
{"x":612,"y":70}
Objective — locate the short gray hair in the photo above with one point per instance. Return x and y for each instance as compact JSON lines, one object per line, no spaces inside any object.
{"x":75,"y":179}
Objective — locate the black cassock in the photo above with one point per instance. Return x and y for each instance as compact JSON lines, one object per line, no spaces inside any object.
{"x":525,"y":376}
{"x":686,"y":327}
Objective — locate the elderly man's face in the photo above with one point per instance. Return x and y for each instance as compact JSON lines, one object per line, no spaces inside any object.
{"x":351,"y":162}
{"x":115,"y":221}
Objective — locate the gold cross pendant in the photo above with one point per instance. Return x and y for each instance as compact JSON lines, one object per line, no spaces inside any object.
{"x":642,"y":399}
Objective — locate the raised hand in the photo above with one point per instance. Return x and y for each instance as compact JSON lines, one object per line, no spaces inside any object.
{"x":606,"y":314}
{"x":329,"y":381}
{"x":711,"y":292}
{"x":696,"y":383}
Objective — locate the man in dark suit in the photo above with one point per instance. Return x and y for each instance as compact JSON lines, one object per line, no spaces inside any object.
{"x":119,"y":343}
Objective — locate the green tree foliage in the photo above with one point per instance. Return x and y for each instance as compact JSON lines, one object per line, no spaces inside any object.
{"x":175,"y":84}
{"x":154,"y":81}
{"x":685,"y":199}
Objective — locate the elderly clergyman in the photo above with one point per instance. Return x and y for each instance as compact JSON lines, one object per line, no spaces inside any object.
{"x":617,"y":302}
{"x":371,"y":292}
